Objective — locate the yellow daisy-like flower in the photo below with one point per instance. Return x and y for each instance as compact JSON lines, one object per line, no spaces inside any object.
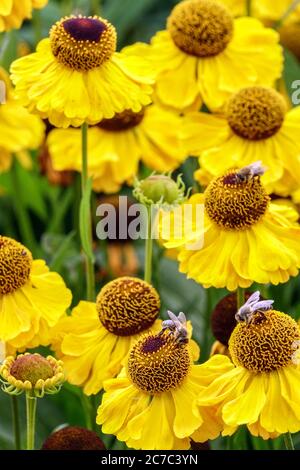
{"x":32,"y":299}
{"x":32,"y":373}
{"x":247,"y":238}
{"x":151,"y":404}
{"x":14,"y":12}
{"x":255,"y":126}
{"x":117,"y":145}
{"x":75,"y":76}
{"x":95,"y":340}
{"x":261,"y":389}
{"x":20,"y":130}
{"x":264,"y":9}
{"x":201,"y":52}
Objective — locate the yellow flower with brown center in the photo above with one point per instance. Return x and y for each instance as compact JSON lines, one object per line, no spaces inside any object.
{"x":20,"y":130}
{"x":262,"y":388}
{"x":95,"y":340}
{"x":256,"y":125}
{"x":247,"y":237}
{"x":117,"y":145}
{"x":32,"y":299}
{"x":31,"y":373}
{"x":201,"y":51}
{"x":80,"y":76}
{"x":146,"y":405}
{"x":14,"y":12}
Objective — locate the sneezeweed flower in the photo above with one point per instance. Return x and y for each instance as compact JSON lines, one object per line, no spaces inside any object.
{"x":161,"y":190}
{"x":31,"y":373}
{"x":201,"y":51}
{"x":20,"y":131}
{"x":150,"y":404}
{"x":36,"y":376}
{"x":80,"y":76}
{"x":262,"y":388}
{"x":32,"y":299}
{"x":247,"y":238}
{"x":14,"y":12}
{"x":150,"y":135}
{"x":256,"y":124}
{"x":95,"y":340}
{"x":73,"y":438}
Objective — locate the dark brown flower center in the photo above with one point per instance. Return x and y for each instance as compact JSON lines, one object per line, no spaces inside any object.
{"x":127,"y":306}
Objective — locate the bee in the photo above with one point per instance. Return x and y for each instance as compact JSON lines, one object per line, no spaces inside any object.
{"x":176,"y":326}
{"x":248,"y":172}
{"x":253,"y":305}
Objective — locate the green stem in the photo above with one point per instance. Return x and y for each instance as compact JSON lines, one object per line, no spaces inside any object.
{"x":148,"y":249}
{"x":96,"y":7}
{"x":90,"y":273}
{"x":88,"y":411}
{"x":248,"y":7}
{"x":16,"y":422}
{"x":23,"y":218}
{"x":240,"y":297}
{"x":288,"y":441}
{"x":31,"y":415}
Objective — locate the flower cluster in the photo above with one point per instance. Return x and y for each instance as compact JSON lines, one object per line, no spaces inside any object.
{"x":203,"y":99}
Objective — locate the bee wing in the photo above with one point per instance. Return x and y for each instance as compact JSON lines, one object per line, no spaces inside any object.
{"x":257,"y":168}
{"x":182,"y":318}
{"x":174,"y":319}
{"x":263,"y":305}
{"x":253,"y":299}
{"x":172,"y":316}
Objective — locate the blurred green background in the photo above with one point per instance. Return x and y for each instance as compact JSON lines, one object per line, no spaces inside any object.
{"x":48,"y":215}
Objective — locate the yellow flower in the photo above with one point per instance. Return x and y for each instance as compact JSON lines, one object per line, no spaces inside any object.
{"x":19,"y":130}
{"x":247,"y":238}
{"x":31,"y":373}
{"x":117,"y":145}
{"x":261,"y":389}
{"x":94,"y":341}
{"x":32,"y":299}
{"x":151,"y":404}
{"x":266,"y":10}
{"x":255,"y":126}
{"x":201,"y":52}
{"x":75,"y":76}
{"x":14,"y":12}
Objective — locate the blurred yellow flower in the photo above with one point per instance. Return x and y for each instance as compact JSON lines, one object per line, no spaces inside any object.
{"x":75,"y":76}
{"x":20,"y":131}
{"x":261,"y":389}
{"x":151,"y":404}
{"x":247,"y":238}
{"x":14,"y":12}
{"x":117,"y":145}
{"x":255,"y":126}
{"x":32,"y":299}
{"x":201,"y":52}
{"x":266,"y":10}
